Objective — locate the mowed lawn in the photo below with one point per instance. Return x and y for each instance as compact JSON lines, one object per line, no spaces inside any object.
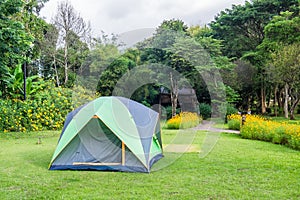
{"x":235,"y":169}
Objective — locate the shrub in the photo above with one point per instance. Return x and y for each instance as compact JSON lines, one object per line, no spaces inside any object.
{"x":230,"y":109}
{"x":46,"y":112}
{"x":184,"y":120}
{"x":234,"y":121}
{"x":82,"y":95}
{"x":168,"y":111}
{"x":259,"y":128}
{"x":234,"y":124}
{"x":205,"y":110}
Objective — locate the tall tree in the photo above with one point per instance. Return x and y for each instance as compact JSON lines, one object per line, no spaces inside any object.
{"x":242,"y":27}
{"x":158,"y":49}
{"x":281,"y":34}
{"x":286,"y":64}
{"x":204,"y":37}
{"x":69,"y":23}
{"x":15,"y":42}
{"x":242,"y":30}
{"x":114,"y":72}
{"x":49,"y":53}
{"x":103,"y":52}
{"x":34,"y":26}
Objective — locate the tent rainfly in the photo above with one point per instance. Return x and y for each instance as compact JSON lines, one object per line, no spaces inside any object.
{"x":109,"y":133}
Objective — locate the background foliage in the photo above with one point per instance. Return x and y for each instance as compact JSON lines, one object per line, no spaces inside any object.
{"x":46,"y":112}
{"x":252,"y":45}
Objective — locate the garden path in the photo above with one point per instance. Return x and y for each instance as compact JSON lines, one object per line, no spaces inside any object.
{"x":204,"y":126}
{"x":208,"y":126}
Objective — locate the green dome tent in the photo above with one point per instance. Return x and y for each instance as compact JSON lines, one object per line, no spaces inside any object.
{"x":109,"y":133}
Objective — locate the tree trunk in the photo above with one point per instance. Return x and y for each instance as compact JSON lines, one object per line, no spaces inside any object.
{"x":66,"y":62}
{"x":294,"y":105}
{"x":56,"y":73}
{"x":275,"y":100}
{"x":263,"y":99}
{"x":250,"y":102}
{"x":292,"y":110}
{"x":174,"y":94}
{"x":24,"y":79}
{"x":280,"y":100}
{"x":269,"y":104}
{"x":286,"y":100}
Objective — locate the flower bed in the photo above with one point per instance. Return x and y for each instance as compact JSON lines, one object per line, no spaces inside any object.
{"x":259,"y":128}
{"x":184,"y":120}
{"x":46,"y":112}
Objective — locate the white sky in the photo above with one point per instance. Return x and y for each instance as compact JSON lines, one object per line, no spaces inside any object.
{"x":119,"y":16}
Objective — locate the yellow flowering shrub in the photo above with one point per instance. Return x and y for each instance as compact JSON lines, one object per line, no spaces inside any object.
{"x":235,"y":120}
{"x":47,"y":111}
{"x":260,"y":128}
{"x":184,"y":120}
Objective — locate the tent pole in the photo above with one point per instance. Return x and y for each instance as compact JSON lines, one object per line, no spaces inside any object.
{"x":123,"y":153}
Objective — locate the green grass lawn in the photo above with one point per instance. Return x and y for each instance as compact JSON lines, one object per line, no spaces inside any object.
{"x":235,"y":169}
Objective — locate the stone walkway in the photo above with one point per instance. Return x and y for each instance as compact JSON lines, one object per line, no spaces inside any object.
{"x":208,"y":126}
{"x":204,"y":126}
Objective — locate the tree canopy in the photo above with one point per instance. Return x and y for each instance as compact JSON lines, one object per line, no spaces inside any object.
{"x":253,"y":46}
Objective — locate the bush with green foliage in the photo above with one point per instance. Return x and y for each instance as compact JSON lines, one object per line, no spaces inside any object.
{"x":167,"y":112}
{"x":260,"y":128}
{"x":275,"y":132}
{"x":234,"y":124}
{"x":14,"y":84}
{"x":230,"y":109}
{"x":47,"y":111}
{"x":184,"y":120}
{"x":205,"y":110}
